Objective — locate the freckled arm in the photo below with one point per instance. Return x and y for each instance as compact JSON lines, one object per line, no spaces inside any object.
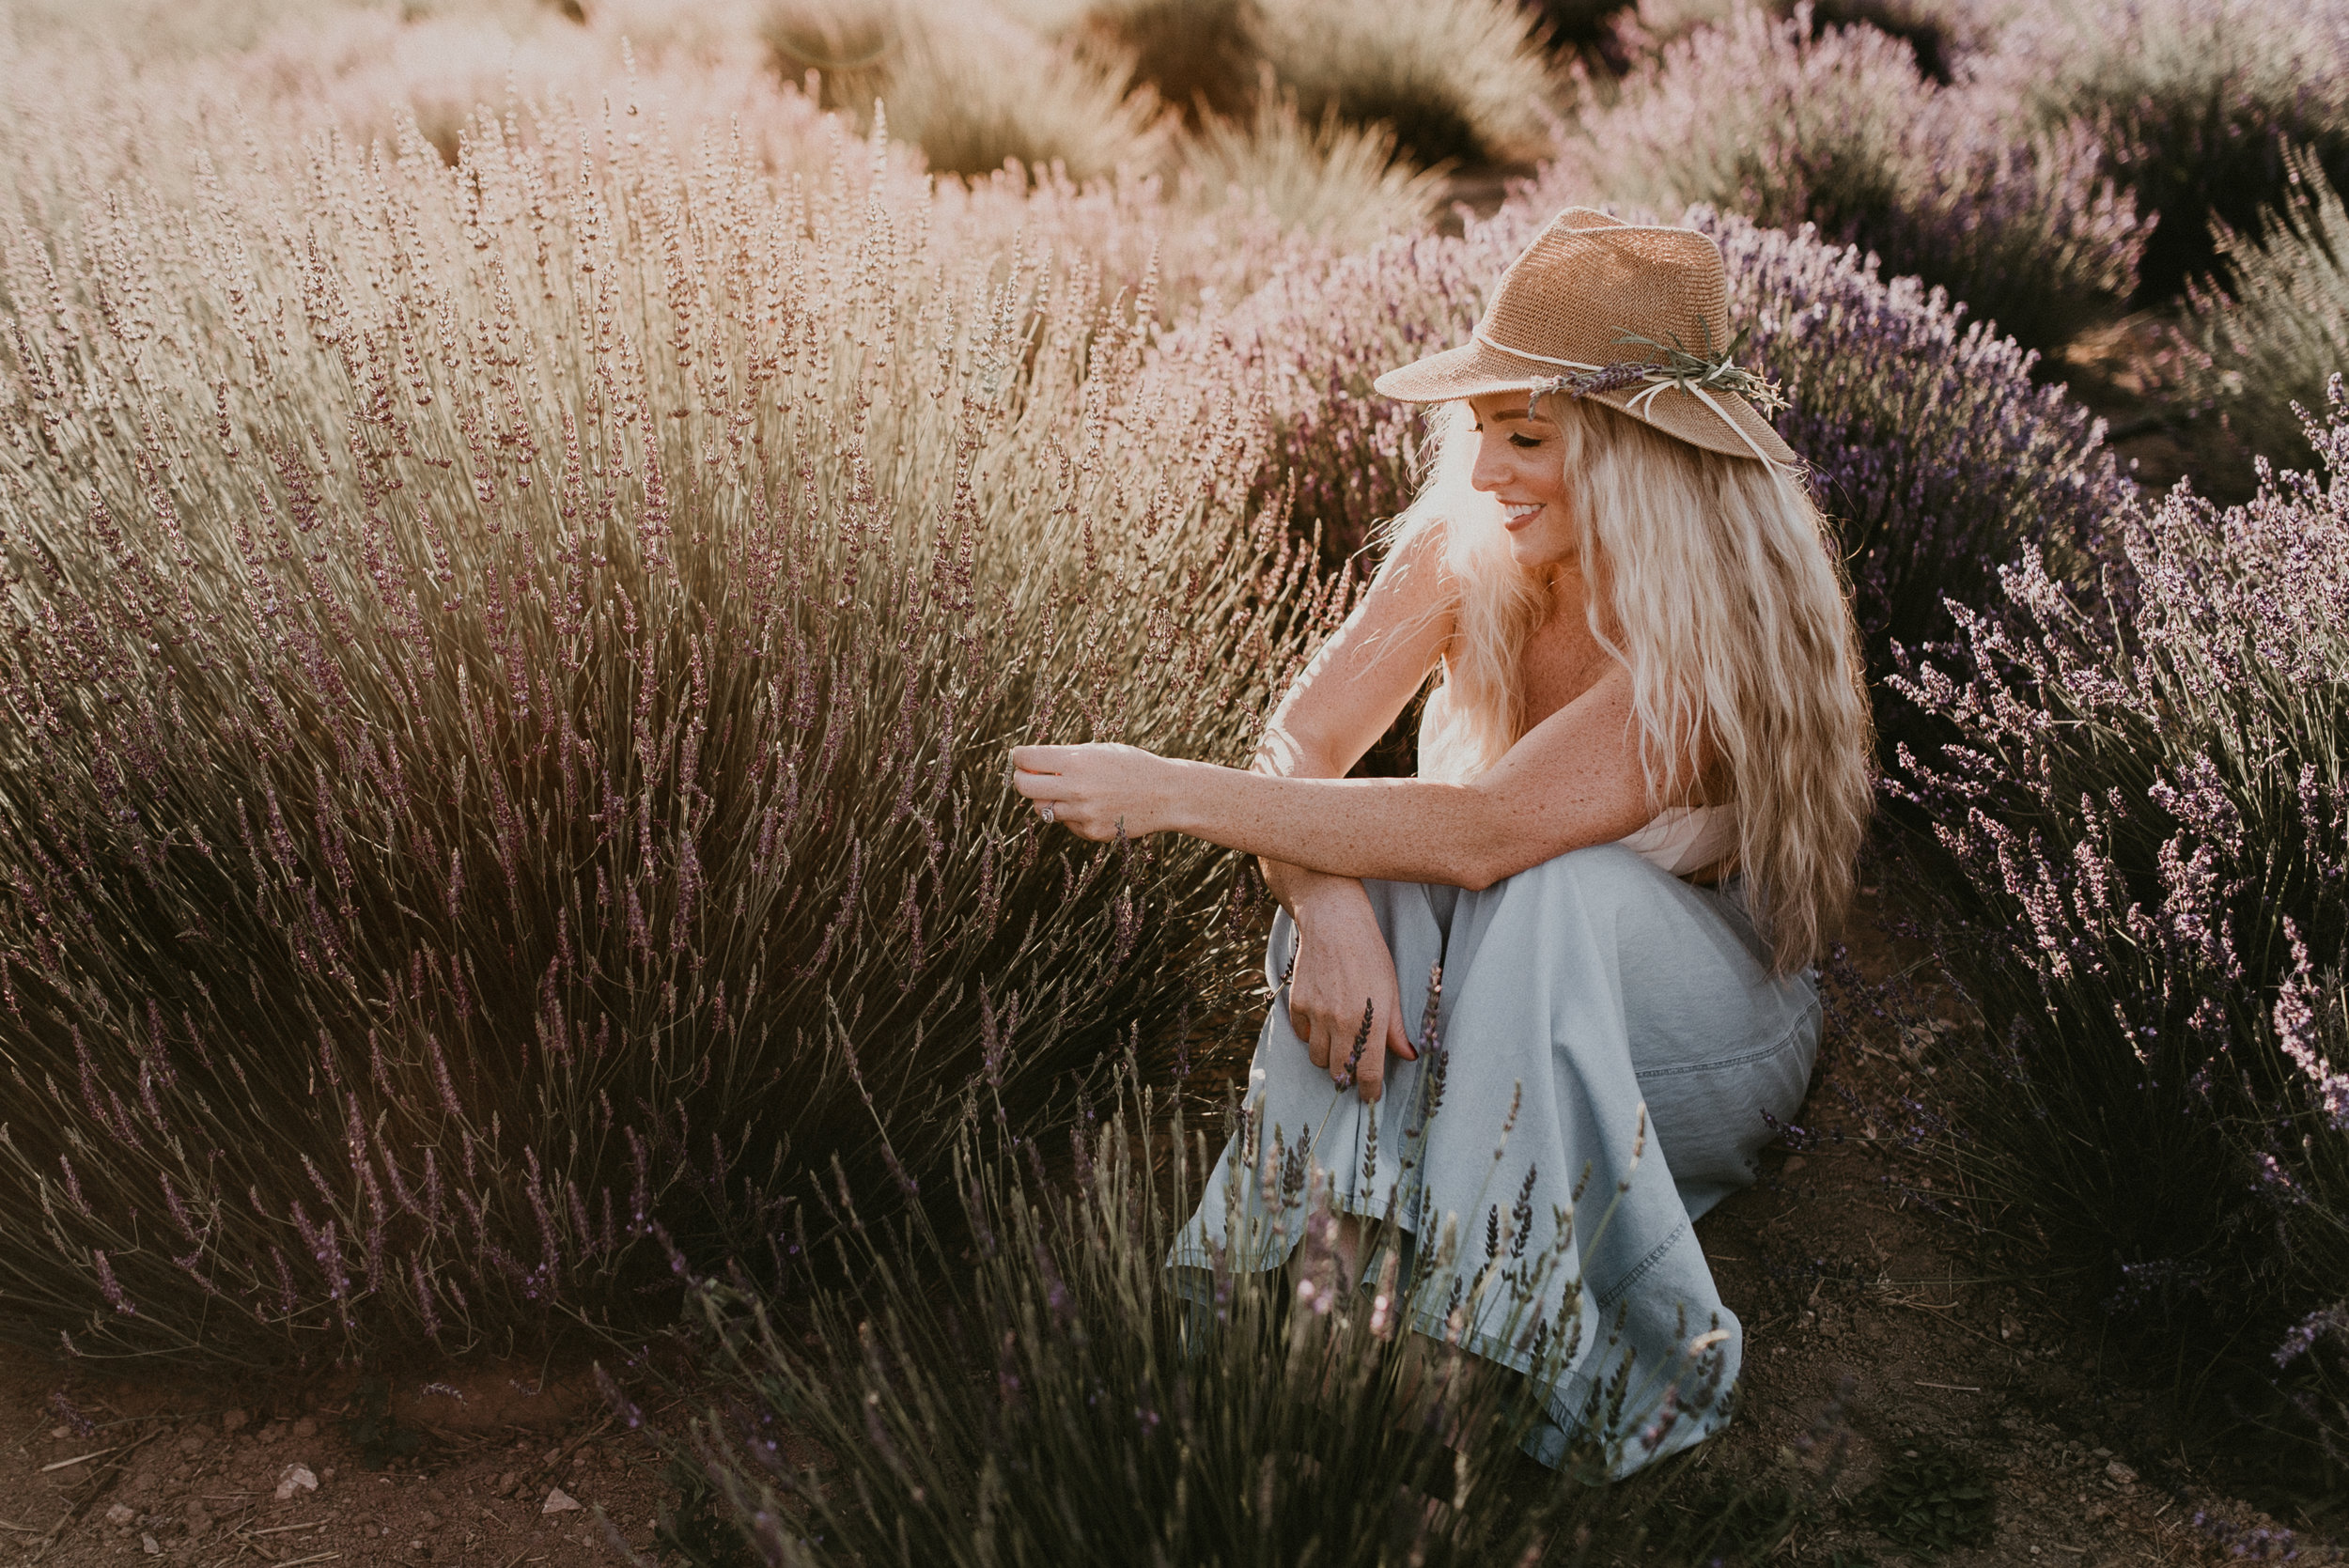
{"x":1574,"y":781}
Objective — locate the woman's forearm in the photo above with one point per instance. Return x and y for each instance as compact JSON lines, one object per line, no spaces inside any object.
{"x":1577,"y":778}
{"x":1401,"y":830}
{"x":1292,"y":886}
{"x":1296,"y":889}
{"x":1522,"y":812}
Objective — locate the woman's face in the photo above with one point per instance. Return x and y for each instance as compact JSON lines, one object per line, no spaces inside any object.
{"x":1520,"y":462}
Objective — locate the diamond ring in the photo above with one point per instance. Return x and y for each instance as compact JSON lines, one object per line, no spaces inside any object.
{"x":1047,"y":810}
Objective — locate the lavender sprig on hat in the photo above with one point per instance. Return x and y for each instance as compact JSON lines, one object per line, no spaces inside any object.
{"x":1680,"y":368}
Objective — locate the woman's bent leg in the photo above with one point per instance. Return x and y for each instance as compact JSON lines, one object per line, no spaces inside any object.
{"x":1608,"y":1040}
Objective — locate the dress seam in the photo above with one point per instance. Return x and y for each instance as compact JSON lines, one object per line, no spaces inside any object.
{"x":1614,"y":1293}
{"x":1724,"y":1063}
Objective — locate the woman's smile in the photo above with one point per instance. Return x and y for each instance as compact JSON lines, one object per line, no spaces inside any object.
{"x":1520,"y":464}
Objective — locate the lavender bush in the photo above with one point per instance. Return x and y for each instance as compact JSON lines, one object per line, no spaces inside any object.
{"x":1931,"y":448}
{"x":2194,"y":102}
{"x":1199,"y":57}
{"x":1331,"y":183}
{"x":1839,"y":130}
{"x":2260,"y":352}
{"x":1455,"y":80}
{"x":2146,"y":894}
{"x":1262,"y":1418}
{"x":970,"y":85}
{"x":506,"y":672}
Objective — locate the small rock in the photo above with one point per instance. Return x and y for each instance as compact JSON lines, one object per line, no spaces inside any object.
{"x":305,"y":1427}
{"x":558,"y":1501}
{"x":61,"y":1433}
{"x":149,"y":1545}
{"x":505,"y":1482}
{"x":296,"y":1478}
{"x":118,"y":1514}
{"x":1794,"y":1162}
{"x":2121,"y":1473}
{"x":2009,"y":1327}
{"x":233,"y":1420}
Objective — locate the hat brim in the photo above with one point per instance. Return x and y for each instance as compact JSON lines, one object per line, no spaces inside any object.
{"x":1475,"y":369}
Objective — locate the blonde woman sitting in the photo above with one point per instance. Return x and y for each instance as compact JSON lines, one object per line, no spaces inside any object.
{"x":1644,"y":779}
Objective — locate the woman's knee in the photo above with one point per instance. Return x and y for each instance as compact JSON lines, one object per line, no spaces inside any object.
{"x":1601,"y":873}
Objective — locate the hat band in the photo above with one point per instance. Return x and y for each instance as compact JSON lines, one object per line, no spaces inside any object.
{"x":1658,"y":377}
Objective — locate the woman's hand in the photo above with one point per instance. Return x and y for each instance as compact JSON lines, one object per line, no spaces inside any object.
{"x":1096,"y":790}
{"x":1342,"y":991}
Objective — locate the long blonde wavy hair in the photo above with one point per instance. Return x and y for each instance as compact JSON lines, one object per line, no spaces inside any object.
{"x":1715,"y":580}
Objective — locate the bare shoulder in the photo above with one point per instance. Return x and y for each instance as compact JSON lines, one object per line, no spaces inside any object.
{"x":1359,"y":679}
{"x":1409,"y":604}
{"x":1417,"y":565}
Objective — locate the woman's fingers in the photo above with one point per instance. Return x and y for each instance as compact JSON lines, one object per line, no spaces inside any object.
{"x":1039,"y":759}
{"x":1370,"y":1073}
{"x":1316,"y":1037}
{"x":1397,"y":1041}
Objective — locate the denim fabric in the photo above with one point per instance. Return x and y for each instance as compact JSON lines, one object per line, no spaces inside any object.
{"x":1581,"y":990}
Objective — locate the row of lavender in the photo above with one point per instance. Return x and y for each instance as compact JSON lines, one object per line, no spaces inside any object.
{"x":2142,"y":884}
{"x":2052,"y":167}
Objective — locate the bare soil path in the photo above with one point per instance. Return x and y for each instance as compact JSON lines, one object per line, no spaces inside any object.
{"x":509,"y":1466}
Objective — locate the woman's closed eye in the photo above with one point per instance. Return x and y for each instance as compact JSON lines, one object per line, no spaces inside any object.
{"x":1520,"y":439}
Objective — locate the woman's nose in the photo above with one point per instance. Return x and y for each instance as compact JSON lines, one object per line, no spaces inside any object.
{"x":1491,"y":469}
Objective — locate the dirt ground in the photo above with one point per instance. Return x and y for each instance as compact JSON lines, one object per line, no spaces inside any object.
{"x":1850,"y":1283}
{"x":1852,"y":1291}
{"x":508,"y":1470}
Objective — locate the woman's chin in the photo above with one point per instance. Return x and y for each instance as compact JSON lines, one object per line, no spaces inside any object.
{"x":1531,"y":551}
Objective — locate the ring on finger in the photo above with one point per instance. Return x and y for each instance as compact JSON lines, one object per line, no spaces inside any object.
{"x":1047,"y":810}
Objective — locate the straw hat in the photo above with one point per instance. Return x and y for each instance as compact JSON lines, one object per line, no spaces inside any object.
{"x":1634,"y":315}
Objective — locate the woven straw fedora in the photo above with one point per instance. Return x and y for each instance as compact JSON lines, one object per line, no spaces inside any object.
{"x":1634,"y":315}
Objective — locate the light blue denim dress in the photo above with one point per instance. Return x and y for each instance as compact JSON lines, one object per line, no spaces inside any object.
{"x":1624,"y":1026}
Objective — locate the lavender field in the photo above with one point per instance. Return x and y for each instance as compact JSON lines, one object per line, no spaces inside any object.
{"x":528,"y":530}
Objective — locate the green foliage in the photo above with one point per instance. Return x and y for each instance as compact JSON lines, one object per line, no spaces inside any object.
{"x":2194,"y":101}
{"x":970,"y":85}
{"x":1335,"y":182}
{"x":2140,"y":876}
{"x":1930,"y":1500}
{"x":2260,"y":352}
{"x":1200,"y":56}
{"x":696,"y":1529}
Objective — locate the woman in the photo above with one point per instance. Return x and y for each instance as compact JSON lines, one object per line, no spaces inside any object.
{"x":1644,"y":779}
